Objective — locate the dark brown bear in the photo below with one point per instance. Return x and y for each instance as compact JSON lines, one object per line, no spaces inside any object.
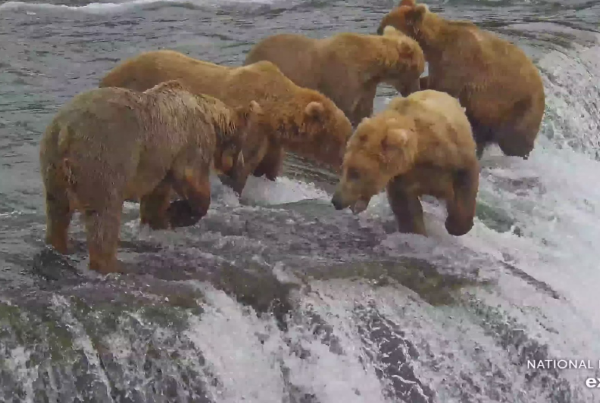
{"x":494,"y":79}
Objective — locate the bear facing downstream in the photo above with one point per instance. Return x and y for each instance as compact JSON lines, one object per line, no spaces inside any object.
{"x":299,"y":119}
{"x":346,"y":67}
{"x":494,"y":79}
{"x":419,"y":145}
{"x":111,"y":144}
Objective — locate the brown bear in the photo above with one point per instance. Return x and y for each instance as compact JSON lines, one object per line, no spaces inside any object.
{"x":418,"y":145}
{"x":346,"y":67}
{"x":494,"y":79}
{"x":111,"y":144}
{"x":299,"y":119}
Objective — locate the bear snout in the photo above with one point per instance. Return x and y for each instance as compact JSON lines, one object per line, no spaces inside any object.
{"x":338,"y":202}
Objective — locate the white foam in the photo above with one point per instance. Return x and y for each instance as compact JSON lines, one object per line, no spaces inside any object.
{"x":282,"y":190}
{"x":554,"y":203}
{"x":100,"y":8}
{"x":244,"y":362}
{"x":573,"y":91}
{"x":17,"y":363}
{"x":334,"y":374}
{"x":247,"y":353}
{"x":82,"y":341}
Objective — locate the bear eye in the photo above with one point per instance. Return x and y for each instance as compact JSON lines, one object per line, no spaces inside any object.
{"x":353,"y":174}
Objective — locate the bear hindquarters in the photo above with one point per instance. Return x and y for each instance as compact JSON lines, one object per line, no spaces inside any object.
{"x":406,"y":208}
{"x":102,"y":229}
{"x":154,"y":206}
{"x":56,"y":177}
{"x":461,"y":207}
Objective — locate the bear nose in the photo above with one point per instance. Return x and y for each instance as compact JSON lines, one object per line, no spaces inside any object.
{"x":337,"y":203}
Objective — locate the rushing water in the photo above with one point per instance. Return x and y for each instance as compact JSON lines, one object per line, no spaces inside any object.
{"x":277,"y":297}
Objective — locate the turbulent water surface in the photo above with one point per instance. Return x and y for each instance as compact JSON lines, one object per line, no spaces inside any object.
{"x":277,"y":297}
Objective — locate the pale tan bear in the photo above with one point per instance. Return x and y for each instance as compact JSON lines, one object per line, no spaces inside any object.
{"x":346,"y":67}
{"x":494,"y":79}
{"x":110,"y":144}
{"x":419,"y":145}
{"x":298,"y":119}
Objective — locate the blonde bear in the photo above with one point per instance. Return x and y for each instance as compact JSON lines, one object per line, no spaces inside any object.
{"x":419,"y":145}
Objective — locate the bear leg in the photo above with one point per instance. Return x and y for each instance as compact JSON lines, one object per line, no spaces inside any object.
{"x":363,"y":109}
{"x":103,"y":227}
{"x":195,"y":189}
{"x":406,"y":208}
{"x":255,"y":151}
{"x":481,"y":146}
{"x":271,"y":164}
{"x":482,"y":134}
{"x":461,"y":207}
{"x":153,"y":206}
{"x":58,"y":219}
{"x":363,"y":106}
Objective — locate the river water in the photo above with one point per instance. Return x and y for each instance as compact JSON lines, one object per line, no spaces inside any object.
{"x":277,"y":297}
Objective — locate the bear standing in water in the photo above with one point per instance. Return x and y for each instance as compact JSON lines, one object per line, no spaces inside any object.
{"x":346,"y":67}
{"x":297,"y":119}
{"x":419,"y":145}
{"x":111,"y":144}
{"x":494,"y":79}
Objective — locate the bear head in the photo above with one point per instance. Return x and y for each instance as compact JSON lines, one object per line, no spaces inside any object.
{"x":408,"y":18}
{"x":382,"y":147}
{"x":411,"y":62}
{"x":229,"y":156}
{"x":322,"y":130}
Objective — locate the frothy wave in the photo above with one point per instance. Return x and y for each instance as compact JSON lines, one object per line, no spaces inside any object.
{"x":99,"y":8}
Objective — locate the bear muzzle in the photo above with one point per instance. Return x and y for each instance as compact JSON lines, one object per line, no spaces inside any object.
{"x":357,"y":206}
{"x":337,"y":201}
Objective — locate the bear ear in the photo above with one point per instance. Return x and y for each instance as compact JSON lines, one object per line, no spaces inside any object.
{"x":255,"y":108}
{"x":395,"y":139}
{"x":408,"y":51}
{"x":420,"y":12}
{"x":314,"y":110}
{"x":170,"y":85}
{"x":399,"y":136}
{"x":390,"y":31}
{"x":245,"y":112}
{"x":409,"y":3}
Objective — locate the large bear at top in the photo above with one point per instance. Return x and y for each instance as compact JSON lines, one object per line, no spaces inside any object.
{"x":346,"y":67}
{"x":299,"y":119}
{"x":494,"y":79}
